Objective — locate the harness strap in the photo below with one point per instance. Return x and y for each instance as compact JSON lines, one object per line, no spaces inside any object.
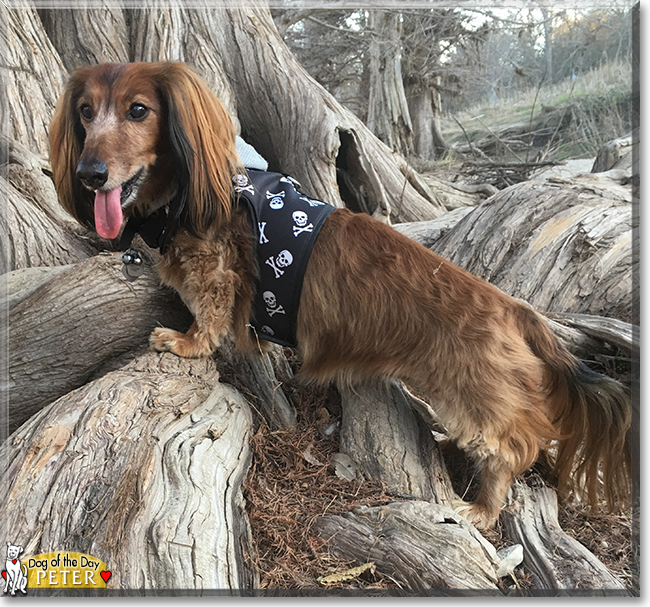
{"x":151,"y":229}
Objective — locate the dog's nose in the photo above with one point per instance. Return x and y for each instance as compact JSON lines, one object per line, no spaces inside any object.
{"x":93,"y":173}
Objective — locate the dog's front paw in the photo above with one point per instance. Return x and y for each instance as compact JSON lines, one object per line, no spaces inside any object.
{"x":163,"y":340}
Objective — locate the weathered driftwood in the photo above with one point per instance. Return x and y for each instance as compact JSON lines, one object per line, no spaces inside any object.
{"x":556,"y":561}
{"x":422,"y":546}
{"x":389,"y":442}
{"x":143,"y":469}
{"x":31,"y":77}
{"x":67,"y":327}
{"x":562,"y":248}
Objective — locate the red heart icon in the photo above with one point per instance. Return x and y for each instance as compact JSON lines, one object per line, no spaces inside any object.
{"x":105,"y":575}
{"x":4,"y":574}
{"x":14,"y":561}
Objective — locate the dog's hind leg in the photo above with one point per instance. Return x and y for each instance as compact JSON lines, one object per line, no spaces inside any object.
{"x":496,"y":478}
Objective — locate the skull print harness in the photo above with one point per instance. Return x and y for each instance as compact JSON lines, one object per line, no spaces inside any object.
{"x":286,"y":224}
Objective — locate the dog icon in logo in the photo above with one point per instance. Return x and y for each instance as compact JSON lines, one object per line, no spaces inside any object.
{"x":15,"y":573}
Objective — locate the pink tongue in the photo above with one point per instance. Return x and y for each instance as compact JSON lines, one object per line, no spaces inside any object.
{"x":108,"y":213}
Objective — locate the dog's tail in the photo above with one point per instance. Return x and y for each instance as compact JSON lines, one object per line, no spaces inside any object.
{"x":592,"y":414}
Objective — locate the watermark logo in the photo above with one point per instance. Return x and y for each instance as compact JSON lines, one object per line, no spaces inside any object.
{"x":55,"y":570}
{"x":14,"y":573}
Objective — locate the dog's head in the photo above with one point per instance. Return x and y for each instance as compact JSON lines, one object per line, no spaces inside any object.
{"x":13,"y":551}
{"x":130,"y":138}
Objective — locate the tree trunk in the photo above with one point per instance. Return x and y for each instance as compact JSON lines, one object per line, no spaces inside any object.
{"x":388,"y":111}
{"x":32,"y":77}
{"x":85,"y":37}
{"x":425,"y":107}
{"x":142,"y":469}
{"x":547,"y":16}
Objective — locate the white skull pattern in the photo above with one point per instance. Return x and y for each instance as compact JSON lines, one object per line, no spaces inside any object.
{"x":300,"y":218}
{"x":284,"y":259}
{"x":269,"y":299}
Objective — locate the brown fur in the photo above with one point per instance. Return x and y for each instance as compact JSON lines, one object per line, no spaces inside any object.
{"x":373,"y":304}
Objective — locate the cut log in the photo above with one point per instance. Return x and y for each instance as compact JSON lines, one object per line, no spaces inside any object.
{"x":560,"y":247}
{"x":70,"y":325}
{"x":421,"y":545}
{"x":384,"y":436}
{"x":142,"y":469}
{"x":556,"y":560}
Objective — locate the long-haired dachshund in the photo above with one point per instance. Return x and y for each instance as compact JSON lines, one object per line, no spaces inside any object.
{"x":131,"y":139}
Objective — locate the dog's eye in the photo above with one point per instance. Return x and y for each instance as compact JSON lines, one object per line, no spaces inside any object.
{"x":137,"y":112}
{"x":86,"y":112}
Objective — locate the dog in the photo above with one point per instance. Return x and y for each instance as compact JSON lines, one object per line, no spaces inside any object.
{"x":16,"y":572}
{"x":129,"y":140}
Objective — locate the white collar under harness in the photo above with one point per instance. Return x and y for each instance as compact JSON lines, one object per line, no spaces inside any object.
{"x":286,"y":224}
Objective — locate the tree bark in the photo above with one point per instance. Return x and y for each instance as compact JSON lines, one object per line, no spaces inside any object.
{"x":177,"y":34}
{"x":561,"y":247}
{"x":65,"y":329}
{"x":34,"y":229}
{"x":384,"y":436}
{"x":88,"y":36}
{"x":142,"y":469}
{"x":32,"y":77}
{"x":556,"y":560}
{"x":416,"y":543}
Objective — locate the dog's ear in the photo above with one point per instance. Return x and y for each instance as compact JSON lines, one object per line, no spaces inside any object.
{"x":202,"y":138}
{"x":67,"y":137}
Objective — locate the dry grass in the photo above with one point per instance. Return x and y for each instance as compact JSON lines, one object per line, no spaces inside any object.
{"x":517,"y":104}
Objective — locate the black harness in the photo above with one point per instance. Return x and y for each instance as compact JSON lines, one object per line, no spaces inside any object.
{"x":285,"y":224}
